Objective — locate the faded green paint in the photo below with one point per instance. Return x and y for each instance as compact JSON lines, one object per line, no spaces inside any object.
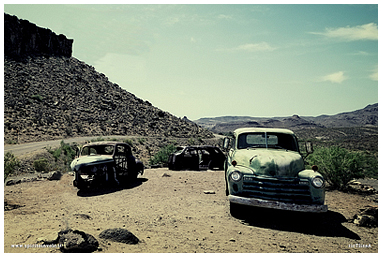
{"x":272,"y":163}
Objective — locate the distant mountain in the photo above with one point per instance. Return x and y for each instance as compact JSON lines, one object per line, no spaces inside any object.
{"x":362,"y":117}
{"x":367,"y":116}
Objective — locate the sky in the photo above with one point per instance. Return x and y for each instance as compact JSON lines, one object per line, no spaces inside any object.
{"x":210,"y":60}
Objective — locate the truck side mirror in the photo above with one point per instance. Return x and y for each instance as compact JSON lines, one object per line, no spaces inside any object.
{"x":77,"y":151}
{"x":309,"y":147}
{"x":226,"y":143}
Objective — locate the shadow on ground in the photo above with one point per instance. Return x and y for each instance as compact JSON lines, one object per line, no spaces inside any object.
{"x":97,"y":191}
{"x":327,"y":224}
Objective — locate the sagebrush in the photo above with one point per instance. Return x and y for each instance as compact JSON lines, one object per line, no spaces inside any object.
{"x":338,"y":165}
{"x":161,"y":157}
{"x":10,"y":164}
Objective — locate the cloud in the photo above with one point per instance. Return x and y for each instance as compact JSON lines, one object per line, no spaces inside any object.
{"x":362,"y":32}
{"x":224,"y":17}
{"x":259,"y":47}
{"x":374,"y":75}
{"x":337,"y":77}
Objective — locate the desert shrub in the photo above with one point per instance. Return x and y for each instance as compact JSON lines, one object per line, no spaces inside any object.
{"x":191,"y":141}
{"x":338,"y":165}
{"x":98,"y":139}
{"x":37,"y":97}
{"x":10,"y":164}
{"x":56,"y":153}
{"x":161,"y":157}
{"x":129,"y":142}
{"x":68,"y":151}
{"x":141,"y":141}
{"x":371,"y":165}
{"x":65,"y":153}
{"x":41,"y":165}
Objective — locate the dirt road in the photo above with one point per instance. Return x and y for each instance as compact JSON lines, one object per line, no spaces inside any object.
{"x":177,"y":212}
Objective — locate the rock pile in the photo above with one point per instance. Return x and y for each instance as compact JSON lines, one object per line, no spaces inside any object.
{"x":368,"y":217}
{"x":54,"y":97}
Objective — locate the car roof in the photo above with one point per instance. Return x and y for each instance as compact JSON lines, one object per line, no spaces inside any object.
{"x":260,"y":129}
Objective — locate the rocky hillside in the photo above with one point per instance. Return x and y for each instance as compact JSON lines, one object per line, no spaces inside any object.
{"x":362,"y":117}
{"x":51,"y":96}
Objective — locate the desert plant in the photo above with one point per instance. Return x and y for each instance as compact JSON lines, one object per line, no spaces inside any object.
{"x":161,"y":157}
{"x":65,"y":153}
{"x":41,"y":165}
{"x":338,"y":165}
{"x":37,"y":97}
{"x":10,"y":164}
{"x":191,"y":141}
{"x":100,"y":138}
{"x":129,"y":142}
{"x":141,"y":141}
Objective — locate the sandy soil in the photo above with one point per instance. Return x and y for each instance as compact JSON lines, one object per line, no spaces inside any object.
{"x":178,"y":211}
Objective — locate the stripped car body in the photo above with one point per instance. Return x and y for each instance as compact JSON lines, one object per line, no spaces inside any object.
{"x":196,"y":158}
{"x":105,"y":163}
{"x":264,"y":168}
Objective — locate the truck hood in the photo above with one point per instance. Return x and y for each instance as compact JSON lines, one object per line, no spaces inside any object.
{"x":90,"y":160}
{"x":270,"y":162}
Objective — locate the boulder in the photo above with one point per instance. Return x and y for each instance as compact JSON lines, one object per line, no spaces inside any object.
{"x":368,"y":217}
{"x":75,"y":241}
{"x":12,"y":182}
{"x":119,"y":235}
{"x":54,"y":175}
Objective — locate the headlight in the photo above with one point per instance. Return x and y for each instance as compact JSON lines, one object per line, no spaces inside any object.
{"x":318,"y":182}
{"x":235,"y":176}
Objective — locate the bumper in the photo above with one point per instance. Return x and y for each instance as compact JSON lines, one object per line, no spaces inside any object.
{"x":277,"y":205}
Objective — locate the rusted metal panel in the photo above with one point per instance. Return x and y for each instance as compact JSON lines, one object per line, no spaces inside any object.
{"x":278,"y":205}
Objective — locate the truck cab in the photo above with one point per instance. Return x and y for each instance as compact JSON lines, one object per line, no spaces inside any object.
{"x":264,"y":168}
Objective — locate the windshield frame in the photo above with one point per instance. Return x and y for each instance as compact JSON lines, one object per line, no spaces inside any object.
{"x":284,"y":141}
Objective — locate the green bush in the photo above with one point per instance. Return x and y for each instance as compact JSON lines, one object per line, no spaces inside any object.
{"x":56,"y":153}
{"x":100,"y":138}
{"x":191,"y":141}
{"x":64,"y":153}
{"x":129,"y":142}
{"x":37,"y":97}
{"x":141,"y":141}
{"x":338,"y":165}
{"x":41,"y":165}
{"x":371,"y":166}
{"x":10,"y":164}
{"x":161,"y":157}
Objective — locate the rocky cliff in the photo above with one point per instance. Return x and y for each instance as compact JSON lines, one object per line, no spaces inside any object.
{"x":49,"y":95}
{"x":23,"y":39}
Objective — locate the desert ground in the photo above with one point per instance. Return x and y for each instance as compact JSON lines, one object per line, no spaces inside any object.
{"x":177,"y":212}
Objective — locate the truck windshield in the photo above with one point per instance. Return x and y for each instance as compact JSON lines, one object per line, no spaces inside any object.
{"x":267,"y":140}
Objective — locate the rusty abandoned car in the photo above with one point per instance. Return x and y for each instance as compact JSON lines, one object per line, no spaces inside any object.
{"x":264,"y":168}
{"x":105,"y":164}
{"x":196,"y":158}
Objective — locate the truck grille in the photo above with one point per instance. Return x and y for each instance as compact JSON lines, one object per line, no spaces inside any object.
{"x":284,"y":190}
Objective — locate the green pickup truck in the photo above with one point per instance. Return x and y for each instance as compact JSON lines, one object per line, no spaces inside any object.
{"x":264,"y":168}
